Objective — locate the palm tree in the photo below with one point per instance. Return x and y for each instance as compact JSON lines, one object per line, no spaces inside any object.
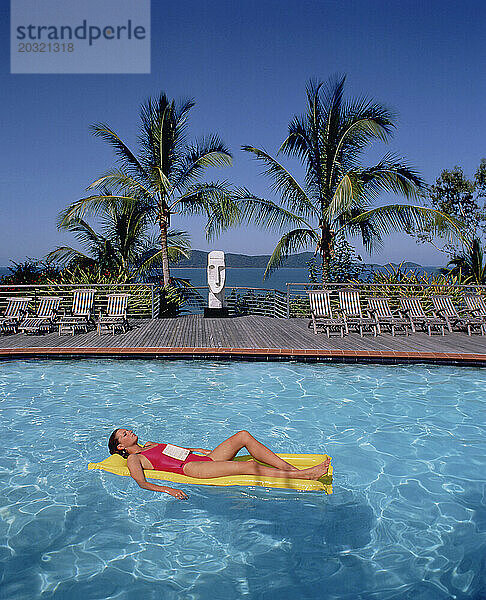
{"x":337,"y":196}
{"x":164,"y":176}
{"x":469,"y":265}
{"x":124,"y":243}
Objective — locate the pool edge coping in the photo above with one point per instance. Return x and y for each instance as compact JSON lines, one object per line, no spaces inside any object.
{"x":268,"y":354}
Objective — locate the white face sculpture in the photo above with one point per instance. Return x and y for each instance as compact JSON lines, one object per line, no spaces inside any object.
{"x":216,"y":271}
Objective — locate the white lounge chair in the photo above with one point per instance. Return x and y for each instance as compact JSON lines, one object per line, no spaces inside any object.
{"x":412,"y":308}
{"x":44,"y":321}
{"x":116,"y":314}
{"x":322,"y":314}
{"x":444,"y":307}
{"x":353,"y":316}
{"x":379,"y":309}
{"x":81,"y":315}
{"x":17,"y":309}
{"x":476,"y":308}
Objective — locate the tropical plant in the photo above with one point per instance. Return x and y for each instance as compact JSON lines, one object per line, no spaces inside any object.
{"x":243,"y":303}
{"x":164,"y":176}
{"x":88,"y":274}
{"x":29,"y":272}
{"x":124,"y":246}
{"x":469,"y":265}
{"x":459,"y":197}
{"x":399,"y":280}
{"x":344,"y":265}
{"x":338,"y":193}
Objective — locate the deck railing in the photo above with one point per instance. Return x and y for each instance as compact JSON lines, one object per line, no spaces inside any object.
{"x":297,"y":300}
{"x":145,"y":298}
{"x":143,"y":302}
{"x":240,"y":301}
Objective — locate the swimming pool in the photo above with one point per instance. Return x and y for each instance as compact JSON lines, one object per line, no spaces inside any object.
{"x":407,"y":518}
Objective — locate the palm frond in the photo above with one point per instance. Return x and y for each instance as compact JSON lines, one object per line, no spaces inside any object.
{"x":291,"y":242}
{"x":404,"y":217}
{"x":207,"y":152}
{"x":283,"y":183}
{"x":216,"y":201}
{"x":324,"y":111}
{"x":393,"y":175}
{"x":63,"y":255}
{"x":119,"y":181}
{"x":179,"y":238}
{"x":469,"y":265}
{"x":164,"y":185}
{"x":264,"y":213}
{"x":153,"y":260}
{"x":125,"y":155}
{"x":348,"y":191}
{"x":92,"y":205}
{"x":361,"y":121}
{"x":200,"y":198}
{"x":297,"y":143}
{"x":82,"y":231}
{"x":359,"y":187}
{"x":162,"y":136}
{"x":366,"y":120}
{"x":371,"y":236}
{"x":331,"y":98}
{"x":179,"y":246}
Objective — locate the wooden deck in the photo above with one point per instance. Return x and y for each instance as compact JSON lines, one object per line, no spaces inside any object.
{"x":262,"y":338}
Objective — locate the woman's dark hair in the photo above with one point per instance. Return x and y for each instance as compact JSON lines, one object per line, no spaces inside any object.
{"x":113,"y":445}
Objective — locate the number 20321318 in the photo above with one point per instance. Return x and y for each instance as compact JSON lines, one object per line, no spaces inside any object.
{"x":45,"y":47}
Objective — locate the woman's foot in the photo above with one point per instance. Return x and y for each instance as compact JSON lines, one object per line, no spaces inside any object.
{"x":319,"y":470}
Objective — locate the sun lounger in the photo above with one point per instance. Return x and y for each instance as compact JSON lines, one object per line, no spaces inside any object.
{"x":116,"y":314}
{"x":379,"y":309}
{"x":321,"y":313}
{"x":81,"y":315}
{"x":444,"y":307}
{"x":476,"y":308}
{"x":44,"y":321}
{"x":353,"y":317}
{"x":15,"y":311}
{"x":412,"y":308}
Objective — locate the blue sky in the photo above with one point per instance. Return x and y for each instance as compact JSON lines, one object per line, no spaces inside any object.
{"x":246,"y":64}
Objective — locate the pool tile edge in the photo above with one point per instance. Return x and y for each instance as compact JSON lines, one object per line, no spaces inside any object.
{"x":270,"y":354}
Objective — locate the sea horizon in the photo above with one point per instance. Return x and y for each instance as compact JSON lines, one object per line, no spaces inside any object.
{"x":252,"y":277}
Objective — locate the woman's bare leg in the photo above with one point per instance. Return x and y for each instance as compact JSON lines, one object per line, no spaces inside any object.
{"x":228,"y":449}
{"x":221,"y":468}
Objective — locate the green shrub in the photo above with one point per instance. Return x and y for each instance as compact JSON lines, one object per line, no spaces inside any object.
{"x":249,"y":302}
{"x":29,"y":272}
{"x":171,"y":301}
{"x":300,"y":307}
{"x":88,"y":275}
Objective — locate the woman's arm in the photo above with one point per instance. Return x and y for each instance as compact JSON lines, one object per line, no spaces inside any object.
{"x":136,"y":471}
{"x":200,"y":450}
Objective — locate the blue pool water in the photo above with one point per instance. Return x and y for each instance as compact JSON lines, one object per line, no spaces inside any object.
{"x":407,"y":519}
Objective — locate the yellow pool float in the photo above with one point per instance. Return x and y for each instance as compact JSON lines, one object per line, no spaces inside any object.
{"x":118,"y":465}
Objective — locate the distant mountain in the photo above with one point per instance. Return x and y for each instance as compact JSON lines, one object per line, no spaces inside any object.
{"x":199,"y":259}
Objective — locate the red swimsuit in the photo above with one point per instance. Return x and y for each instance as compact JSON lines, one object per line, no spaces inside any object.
{"x":162,"y":462}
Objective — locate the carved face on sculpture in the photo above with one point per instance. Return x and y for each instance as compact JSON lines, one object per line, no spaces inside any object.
{"x":216,"y":271}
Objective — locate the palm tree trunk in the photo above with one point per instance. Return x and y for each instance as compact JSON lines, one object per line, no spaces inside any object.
{"x":163,"y":248}
{"x":325,"y":250}
{"x":325,"y":268}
